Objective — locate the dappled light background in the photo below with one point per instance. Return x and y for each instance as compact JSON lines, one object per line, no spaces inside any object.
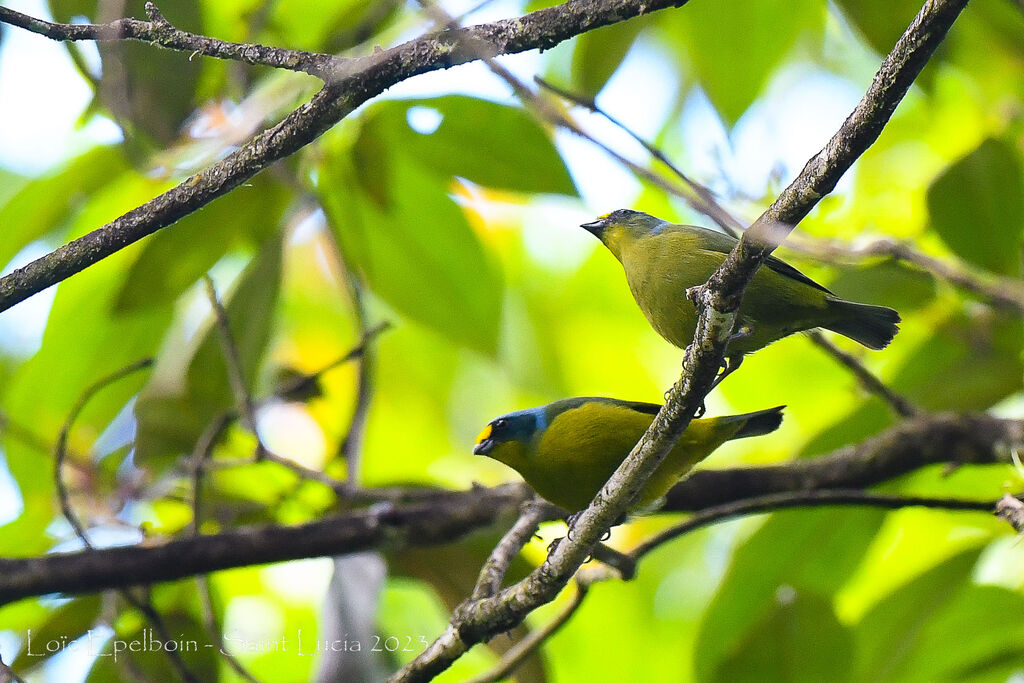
{"x":448,"y":209}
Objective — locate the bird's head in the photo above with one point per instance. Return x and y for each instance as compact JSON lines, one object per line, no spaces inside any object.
{"x":622,"y":225}
{"x":510,"y":438}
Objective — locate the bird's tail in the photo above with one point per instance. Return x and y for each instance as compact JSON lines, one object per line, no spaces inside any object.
{"x":756,"y":423}
{"x":872,"y":326}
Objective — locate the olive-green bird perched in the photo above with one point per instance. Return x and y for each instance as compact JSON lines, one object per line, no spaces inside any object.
{"x":568,"y":449}
{"x":663,"y":260}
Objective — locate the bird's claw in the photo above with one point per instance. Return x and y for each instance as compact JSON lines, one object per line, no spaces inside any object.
{"x":743,"y":333}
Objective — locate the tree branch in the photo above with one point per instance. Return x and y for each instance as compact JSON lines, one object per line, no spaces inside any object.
{"x":435,"y":517}
{"x":445,"y":517}
{"x":1006,"y":292}
{"x":718,"y":302}
{"x":350,"y":83}
{"x":158,"y":31}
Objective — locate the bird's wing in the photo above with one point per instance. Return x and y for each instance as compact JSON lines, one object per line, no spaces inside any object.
{"x":638,"y":406}
{"x":712,"y":240}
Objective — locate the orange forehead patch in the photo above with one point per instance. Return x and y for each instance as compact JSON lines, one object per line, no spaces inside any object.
{"x":484,"y":435}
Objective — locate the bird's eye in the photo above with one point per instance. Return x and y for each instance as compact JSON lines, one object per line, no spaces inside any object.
{"x":499,"y":423}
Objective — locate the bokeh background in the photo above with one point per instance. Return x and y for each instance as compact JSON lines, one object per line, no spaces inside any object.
{"x":449,"y":209}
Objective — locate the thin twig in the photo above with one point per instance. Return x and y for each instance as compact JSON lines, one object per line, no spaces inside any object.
{"x":61,"y":450}
{"x":1001,"y":291}
{"x":199,"y":464}
{"x":802,"y":499}
{"x":293,"y":386}
{"x":518,"y":653}
{"x":493,"y":572}
{"x":236,"y":376}
{"x":141,"y":603}
{"x":301,"y":384}
{"x":158,"y":31}
{"x":900,"y":404}
{"x":214,"y":628}
{"x":705,"y":201}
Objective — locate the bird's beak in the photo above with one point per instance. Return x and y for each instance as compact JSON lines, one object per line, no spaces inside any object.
{"x":596,"y":228}
{"x":484,"y":442}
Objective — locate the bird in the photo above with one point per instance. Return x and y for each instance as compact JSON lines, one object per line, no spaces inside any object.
{"x":663,"y":260}
{"x":568,"y":449}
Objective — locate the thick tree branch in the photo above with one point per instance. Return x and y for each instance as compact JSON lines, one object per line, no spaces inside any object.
{"x":718,"y":301}
{"x":445,"y":517}
{"x":350,"y":83}
{"x":435,"y":517}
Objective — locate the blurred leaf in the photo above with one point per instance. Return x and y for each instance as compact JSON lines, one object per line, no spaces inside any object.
{"x":43,"y":206}
{"x":881,"y":21}
{"x":979,"y":355}
{"x":803,"y":550}
{"x":599,"y":53}
{"x":65,"y":10}
{"x":174,"y":258}
{"x":490,"y":144}
{"x":977,"y":207}
{"x":328,"y":25}
{"x":149,"y":90}
{"x":892,"y":283}
{"x":189,"y":389}
{"x":938,"y":625}
{"x":734,"y":47}
{"x":969,"y":363}
{"x":418,"y":253}
{"x":84,"y":341}
{"x":142,"y":650}
{"x":800,"y":640}
{"x":67,"y":623}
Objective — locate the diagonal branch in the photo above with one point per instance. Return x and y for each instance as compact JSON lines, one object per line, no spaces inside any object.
{"x":350,"y":83}
{"x":718,"y":300}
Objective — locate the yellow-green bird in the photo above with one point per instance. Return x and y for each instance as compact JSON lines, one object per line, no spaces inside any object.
{"x":662,"y":260}
{"x":568,"y":449}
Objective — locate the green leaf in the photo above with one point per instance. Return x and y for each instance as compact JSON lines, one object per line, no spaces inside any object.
{"x":881,"y":22}
{"x":190,"y":387}
{"x":977,"y":207}
{"x":151,"y":91}
{"x":142,"y":652}
{"x":938,"y":624}
{"x":485,"y":142}
{"x":802,"y":550}
{"x":174,"y":258}
{"x":978,"y":354}
{"x":599,"y":53}
{"x":65,"y":624}
{"x":84,"y":341}
{"x":65,"y":10}
{"x":735,"y":46}
{"x":418,"y":252}
{"x":892,"y":283}
{"x":800,"y":640}
{"x":45,"y":205}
